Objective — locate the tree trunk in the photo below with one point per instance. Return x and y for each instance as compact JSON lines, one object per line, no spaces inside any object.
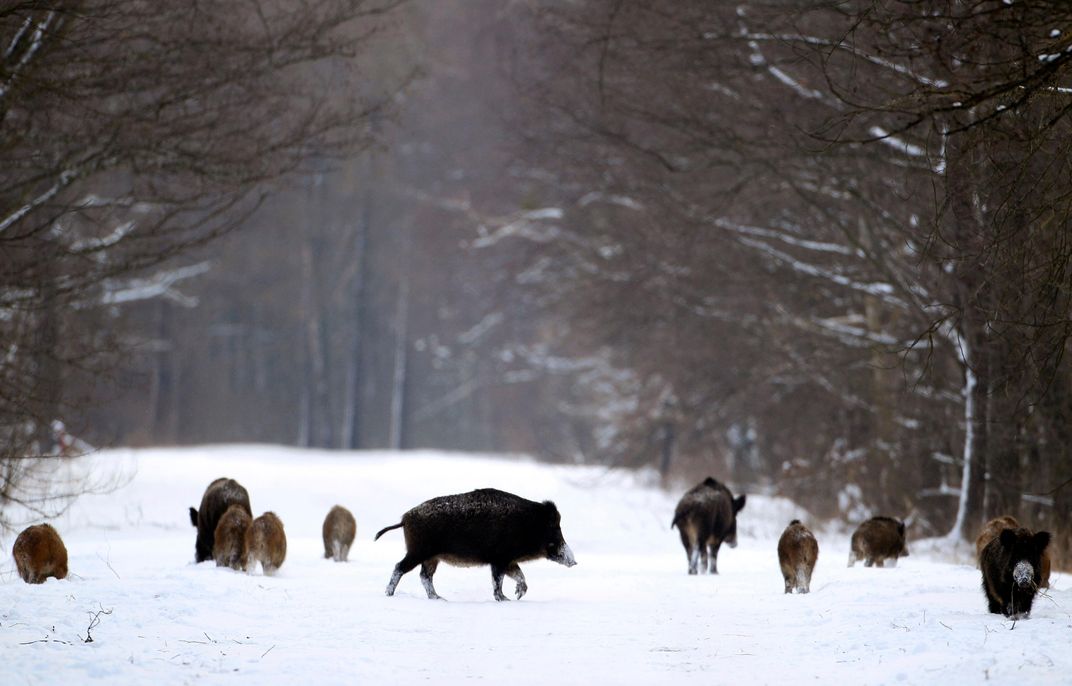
{"x":401,"y":354}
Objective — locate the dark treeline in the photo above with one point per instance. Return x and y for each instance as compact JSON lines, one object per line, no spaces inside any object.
{"x":811,"y":246}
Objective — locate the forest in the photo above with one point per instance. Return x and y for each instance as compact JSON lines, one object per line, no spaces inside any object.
{"x":816,"y":249}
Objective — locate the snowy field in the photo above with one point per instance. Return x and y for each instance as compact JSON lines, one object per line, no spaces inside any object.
{"x":626,"y":614}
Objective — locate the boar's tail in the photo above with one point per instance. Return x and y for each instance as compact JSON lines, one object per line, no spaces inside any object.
{"x":386,"y":529}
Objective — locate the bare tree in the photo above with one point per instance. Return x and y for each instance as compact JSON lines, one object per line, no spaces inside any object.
{"x":133,"y":132}
{"x":818,"y":222}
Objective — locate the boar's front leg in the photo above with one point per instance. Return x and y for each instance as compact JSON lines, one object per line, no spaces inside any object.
{"x":497,"y":574}
{"x":427,"y":570}
{"x":514,"y":572}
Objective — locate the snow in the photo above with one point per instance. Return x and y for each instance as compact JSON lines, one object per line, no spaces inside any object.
{"x":626,"y":614}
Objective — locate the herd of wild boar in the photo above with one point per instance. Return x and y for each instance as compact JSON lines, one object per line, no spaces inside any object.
{"x":499,"y":529}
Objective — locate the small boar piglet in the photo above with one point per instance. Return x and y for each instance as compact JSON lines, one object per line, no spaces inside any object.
{"x":39,"y":553}
{"x":797,"y":552}
{"x":266,"y":543}
{"x":230,"y":538}
{"x":339,"y":530}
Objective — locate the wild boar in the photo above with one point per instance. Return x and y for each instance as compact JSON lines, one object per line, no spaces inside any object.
{"x":797,"y":552}
{"x":877,"y":540}
{"x":991,"y":531}
{"x":265,"y":542}
{"x":39,"y":553}
{"x":339,"y":531}
{"x":230,"y":538}
{"x":482,"y":527}
{"x":220,"y":494}
{"x":706,"y":517}
{"x":1011,"y":567}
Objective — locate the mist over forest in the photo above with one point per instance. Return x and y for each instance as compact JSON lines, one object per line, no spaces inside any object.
{"x":819,"y":250}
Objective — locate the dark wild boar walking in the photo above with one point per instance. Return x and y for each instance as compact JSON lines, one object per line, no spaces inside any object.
{"x":230,"y":538}
{"x":797,"y":552}
{"x":877,"y":540}
{"x":1011,"y":565}
{"x":706,"y":517}
{"x":483,"y":527}
{"x":991,"y":531}
{"x":266,"y":542}
{"x":339,"y":531}
{"x":39,"y":553}
{"x":220,"y":494}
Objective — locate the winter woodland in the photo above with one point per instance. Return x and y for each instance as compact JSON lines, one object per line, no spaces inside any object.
{"x":817,"y":250}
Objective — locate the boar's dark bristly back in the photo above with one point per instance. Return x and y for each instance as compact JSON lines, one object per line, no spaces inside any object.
{"x":220,"y":494}
{"x":482,"y":527}
{"x":706,"y":517}
{"x":878,"y":540}
{"x":1011,"y":567}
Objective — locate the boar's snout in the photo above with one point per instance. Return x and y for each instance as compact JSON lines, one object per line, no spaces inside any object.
{"x":562,"y":555}
{"x":1023,"y":573}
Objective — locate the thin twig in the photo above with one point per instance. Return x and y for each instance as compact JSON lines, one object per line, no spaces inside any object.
{"x":110,"y":567}
{"x":93,"y":622}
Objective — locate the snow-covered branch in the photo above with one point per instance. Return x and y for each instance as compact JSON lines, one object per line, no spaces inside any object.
{"x":28,"y":53}
{"x":877,"y":288}
{"x":158,"y":285}
{"x":855,"y":51}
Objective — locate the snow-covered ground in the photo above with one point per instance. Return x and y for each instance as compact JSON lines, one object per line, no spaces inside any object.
{"x":626,"y":614}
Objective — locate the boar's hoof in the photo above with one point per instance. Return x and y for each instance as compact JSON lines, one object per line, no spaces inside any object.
{"x":499,"y":595}
{"x":522,"y":589}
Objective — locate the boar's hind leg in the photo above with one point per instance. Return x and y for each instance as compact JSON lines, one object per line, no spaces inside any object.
{"x":713,"y":569}
{"x":514,"y":572}
{"x":407,"y":564}
{"x":427,"y":570}
{"x":691,"y":550}
{"x":497,"y":574}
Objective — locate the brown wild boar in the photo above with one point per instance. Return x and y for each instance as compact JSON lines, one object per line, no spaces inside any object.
{"x":230,"y":538}
{"x":482,"y":527}
{"x":877,"y":540}
{"x":1011,"y":567}
{"x":706,"y":517}
{"x":39,"y":553}
{"x":266,"y":543}
{"x":991,"y":531}
{"x":220,"y":494}
{"x":797,"y":552}
{"x":339,"y":531}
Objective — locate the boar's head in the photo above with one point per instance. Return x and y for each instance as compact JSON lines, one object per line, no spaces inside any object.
{"x":1025,"y":554}
{"x":730,"y":538}
{"x":555,"y":547}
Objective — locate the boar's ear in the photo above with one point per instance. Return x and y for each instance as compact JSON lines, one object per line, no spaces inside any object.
{"x":710,"y":481}
{"x":193,"y":516}
{"x":1042,"y":539}
{"x":900,"y":528}
{"x":1008,"y":537}
{"x":738,"y":503}
{"x":552,"y":510}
